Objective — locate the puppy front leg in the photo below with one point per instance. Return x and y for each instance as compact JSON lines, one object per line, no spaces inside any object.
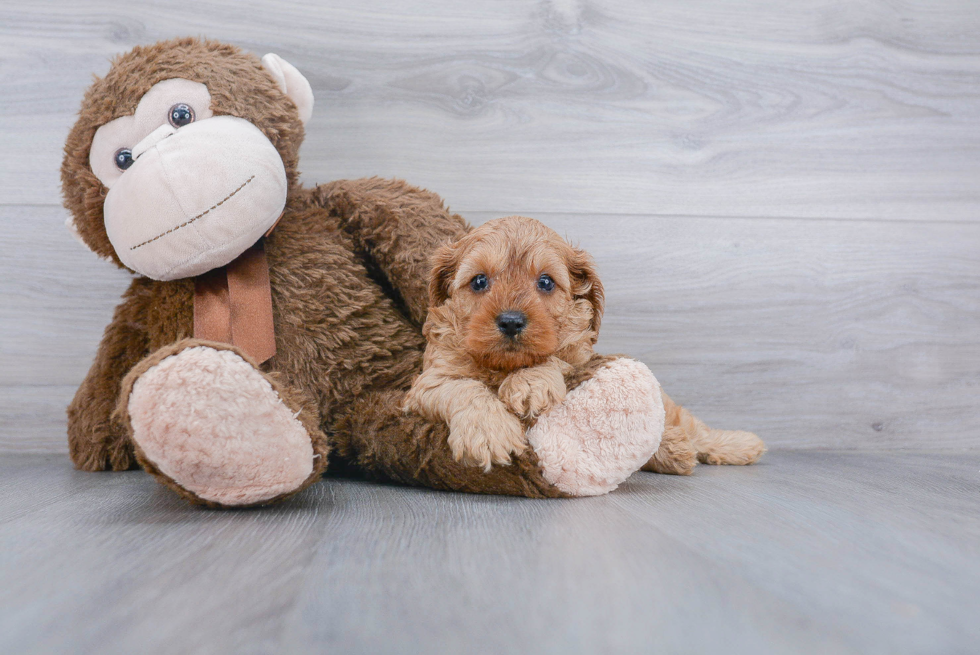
{"x":481,"y":430}
{"x":530,"y":392}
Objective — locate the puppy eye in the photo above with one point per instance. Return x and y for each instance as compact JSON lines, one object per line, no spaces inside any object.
{"x":479,"y":282}
{"x":123,"y":158}
{"x":545,"y":283}
{"x":180,"y":115}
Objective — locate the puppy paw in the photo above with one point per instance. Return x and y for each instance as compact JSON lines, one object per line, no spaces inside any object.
{"x":486,"y":434}
{"x":530,"y":392}
{"x":735,"y":447}
{"x":676,"y":454}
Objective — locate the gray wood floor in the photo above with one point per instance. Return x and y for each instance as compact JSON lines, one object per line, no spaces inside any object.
{"x":808,"y":552}
{"x":783,"y":199}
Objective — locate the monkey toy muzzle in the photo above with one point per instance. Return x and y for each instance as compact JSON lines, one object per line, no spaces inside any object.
{"x":195,"y":198}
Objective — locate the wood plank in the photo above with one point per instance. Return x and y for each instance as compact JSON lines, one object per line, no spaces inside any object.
{"x":804,"y":520}
{"x":816,"y":552}
{"x":863,"y":110}
{"x":32,"y":419}
{"x":57,"y":299}
{"x":113,"y":563}
{"x":844,"y":334}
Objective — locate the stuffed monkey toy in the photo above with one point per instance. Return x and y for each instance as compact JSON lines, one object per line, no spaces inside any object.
{"x":269,"y":327}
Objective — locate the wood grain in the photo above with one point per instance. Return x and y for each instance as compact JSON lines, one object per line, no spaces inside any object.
{"x":803,"y":553}
{"x":783,"y":202}
{"x":821,"y":109}
{"x":699,"y":151}
{"x":844,"y":334}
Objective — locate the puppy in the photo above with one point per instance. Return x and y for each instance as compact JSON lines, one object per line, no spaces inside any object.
{"x":513,"y":310}
{"x":514,"y":313}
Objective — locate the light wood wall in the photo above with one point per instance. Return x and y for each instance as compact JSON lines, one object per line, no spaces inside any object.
{"x":782,"y":196}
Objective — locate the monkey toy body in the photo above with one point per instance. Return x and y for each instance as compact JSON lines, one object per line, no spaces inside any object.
{"x":272,"y":327}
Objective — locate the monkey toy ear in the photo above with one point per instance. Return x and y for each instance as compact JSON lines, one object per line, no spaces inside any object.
{"x":292,"y":83}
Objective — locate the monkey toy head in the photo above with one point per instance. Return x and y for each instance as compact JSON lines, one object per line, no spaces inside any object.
{"x":183,"y":155}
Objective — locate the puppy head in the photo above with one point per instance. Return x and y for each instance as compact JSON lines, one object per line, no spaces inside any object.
{"x":518,"y":293}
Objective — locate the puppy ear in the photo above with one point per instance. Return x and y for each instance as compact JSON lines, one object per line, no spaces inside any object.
{"x":586,"y":284}
{"x":444,"y":264}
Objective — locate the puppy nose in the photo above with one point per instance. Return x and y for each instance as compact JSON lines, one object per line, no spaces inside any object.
{"x":511,"y":323}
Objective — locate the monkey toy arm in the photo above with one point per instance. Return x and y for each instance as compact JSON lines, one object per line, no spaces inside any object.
{"x":398,"y":227}
{"x":96,"y":440}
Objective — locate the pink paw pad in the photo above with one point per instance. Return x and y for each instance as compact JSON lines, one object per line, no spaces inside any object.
{"x":607,"y":428}
{"x":214,"y":425}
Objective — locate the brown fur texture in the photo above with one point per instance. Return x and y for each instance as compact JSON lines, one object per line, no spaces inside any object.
{"x":348,"y":262}
{"x":477,"y":377}
{"x":348,"y":266}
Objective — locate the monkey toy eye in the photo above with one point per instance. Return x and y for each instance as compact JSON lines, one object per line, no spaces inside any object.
{"x":479,"y":282}
{"x":180,"y":115}
{"x":124,"y":158}
{"x":545,"y":283}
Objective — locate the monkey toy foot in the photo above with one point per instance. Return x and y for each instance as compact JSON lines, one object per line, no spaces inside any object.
{"x":209,"y":424}
{"x":604,"y":431}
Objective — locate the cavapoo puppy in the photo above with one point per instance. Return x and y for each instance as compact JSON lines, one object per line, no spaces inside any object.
{"x":513,"y":309}
{"x":514,"y":313}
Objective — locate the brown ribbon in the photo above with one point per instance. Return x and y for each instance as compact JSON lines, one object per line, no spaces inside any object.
{"x":233,"y":304}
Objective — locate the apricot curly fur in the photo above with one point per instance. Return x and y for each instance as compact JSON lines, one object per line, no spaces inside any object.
{"x":687,"y":441}
{"x":487,"y":384}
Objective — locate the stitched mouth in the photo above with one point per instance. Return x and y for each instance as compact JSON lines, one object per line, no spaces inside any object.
{"x":199,"y":216}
